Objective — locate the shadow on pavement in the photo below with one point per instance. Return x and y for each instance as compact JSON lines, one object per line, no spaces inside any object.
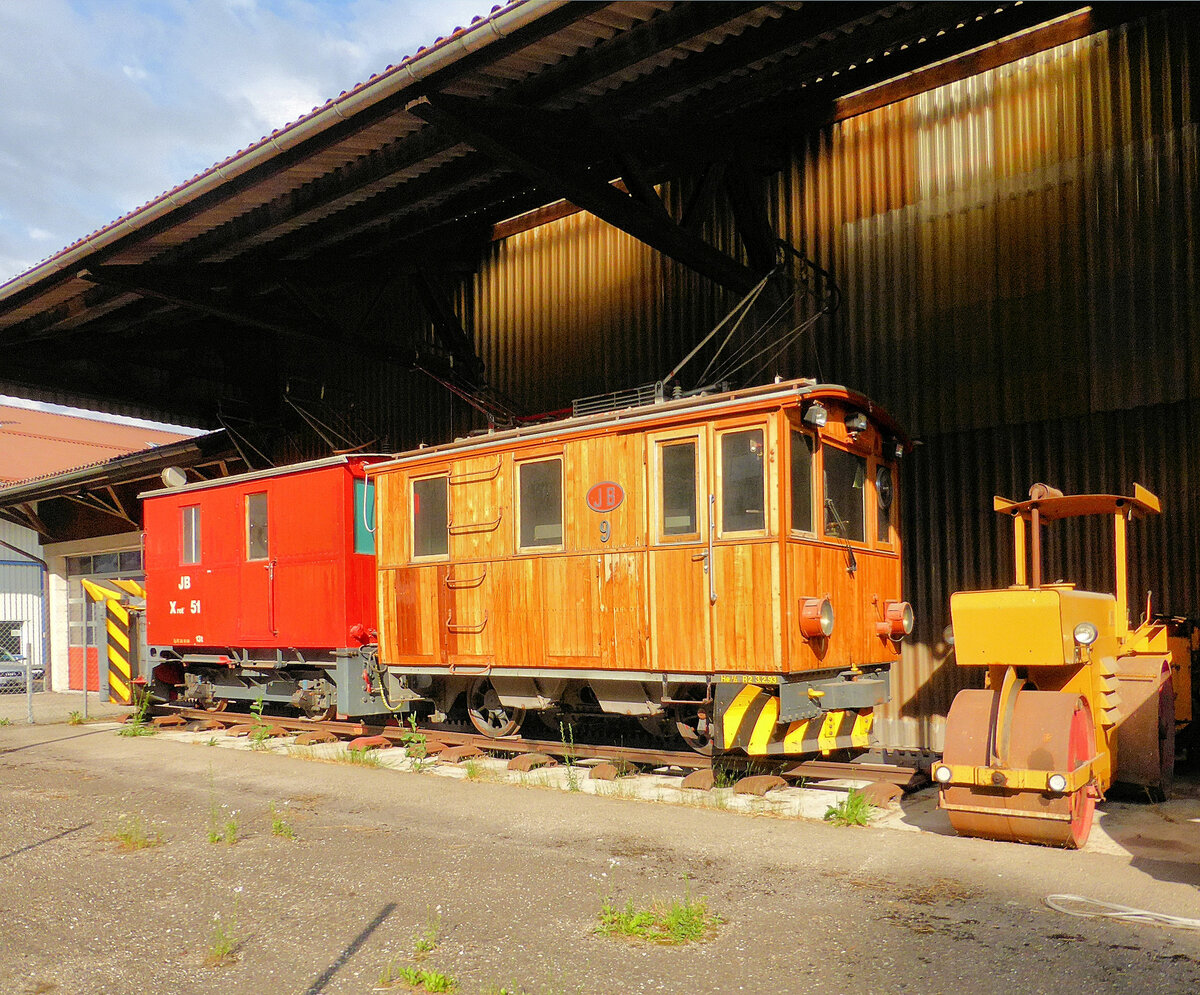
{"x":48,"y":839}
{"x":324,"y":978}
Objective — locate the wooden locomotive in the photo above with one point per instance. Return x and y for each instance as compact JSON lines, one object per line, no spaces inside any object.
{"x":725,"y":566}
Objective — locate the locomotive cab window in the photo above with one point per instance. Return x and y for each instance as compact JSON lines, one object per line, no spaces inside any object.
{"x":743,"y":481}
{"x":539,"y":503}
{"x":677,"y":516}
{"x":845,"y":492}
{"x":430,"y":516}
{"x":257,"y":539}
{"x":802,"y":481}
{"x":190,"y":548}
{"x":885,"y":494}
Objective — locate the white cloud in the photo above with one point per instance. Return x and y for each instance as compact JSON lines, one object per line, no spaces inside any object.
{"x":110,"y":102}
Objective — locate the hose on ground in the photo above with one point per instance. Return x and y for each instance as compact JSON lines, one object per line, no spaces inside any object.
{"x":1091,"y":908}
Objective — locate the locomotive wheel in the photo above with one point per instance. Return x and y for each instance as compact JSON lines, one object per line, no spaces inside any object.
{"x":488,"y":714}
{"x":696,"y":732}
{"x":1050,"y":731}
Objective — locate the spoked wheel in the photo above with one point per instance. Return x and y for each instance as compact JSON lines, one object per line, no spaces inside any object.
{"x":1051,"y":731}
{"x":488,"y":714}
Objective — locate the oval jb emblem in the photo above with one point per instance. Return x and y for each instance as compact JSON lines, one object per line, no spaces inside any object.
{"x":605,"y":496}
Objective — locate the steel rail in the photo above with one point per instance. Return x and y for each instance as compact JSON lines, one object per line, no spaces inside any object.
{"x":906,"y":778}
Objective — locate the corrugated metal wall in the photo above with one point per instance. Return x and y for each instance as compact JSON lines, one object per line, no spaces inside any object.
{"x":1017,"y":256}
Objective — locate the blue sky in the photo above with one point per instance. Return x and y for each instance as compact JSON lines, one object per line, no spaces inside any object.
{"x":107,"y":103}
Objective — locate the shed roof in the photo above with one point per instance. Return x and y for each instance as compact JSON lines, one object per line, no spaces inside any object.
{"x":417,"y":169}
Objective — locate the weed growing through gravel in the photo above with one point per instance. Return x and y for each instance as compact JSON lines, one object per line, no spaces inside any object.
{"x":223,"y":942}
{"x":5,"y":722}
{"x":131,"y":834}
{"x":75,"y":719}
{"x":567,"y":735}
{"x":360,"y":758}
{"x":473,"y":768}
{"x":418,"y":977}
{"x":279,"y":826}
{"x":428,"y":940}
{"x":680,"y":921}
{"x":853,"y":810}
{"x":137,"y":724}
{"x":212,"y":741}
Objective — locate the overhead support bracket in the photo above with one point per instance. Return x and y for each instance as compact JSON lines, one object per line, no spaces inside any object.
{"x":491,"y":130}
{"x":447,"y":327}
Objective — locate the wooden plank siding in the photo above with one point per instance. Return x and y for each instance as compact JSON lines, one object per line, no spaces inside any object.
{"x":640,"y":600}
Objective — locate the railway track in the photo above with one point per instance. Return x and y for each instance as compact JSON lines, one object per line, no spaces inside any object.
{"x":439,"y":739}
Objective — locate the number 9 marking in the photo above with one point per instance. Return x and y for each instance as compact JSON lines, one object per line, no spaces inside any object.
{"x":605,"y":531}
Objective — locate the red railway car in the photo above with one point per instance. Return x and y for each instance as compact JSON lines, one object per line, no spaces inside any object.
{"x":251,"y":574}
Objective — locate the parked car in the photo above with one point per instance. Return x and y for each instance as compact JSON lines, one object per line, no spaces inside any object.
{"x":12,"y":673}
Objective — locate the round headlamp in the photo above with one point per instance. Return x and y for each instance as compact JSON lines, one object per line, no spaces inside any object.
{"x":897,"y":621}
{"x":816,"y":618}
{"x":1086,"y":633}
{"x":1057,"y":783}
{"x":942,"y":774}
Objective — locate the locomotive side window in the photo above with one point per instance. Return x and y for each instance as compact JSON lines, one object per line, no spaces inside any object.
{"x":430,"y":512}
{"x":678,"y":467}
{"x":539,"y":502}
{"x":885,"y":489}
{"x":256,"y":527}
{"x":743,"y":482}
{"x":845,"y":488}
{"x":190,"y":548}
{"x":802,"y":482}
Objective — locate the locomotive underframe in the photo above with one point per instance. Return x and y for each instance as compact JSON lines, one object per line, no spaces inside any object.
{"x":349,"y":682}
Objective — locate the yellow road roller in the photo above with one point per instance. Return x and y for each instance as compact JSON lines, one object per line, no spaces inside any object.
{"x":1075,"y":697}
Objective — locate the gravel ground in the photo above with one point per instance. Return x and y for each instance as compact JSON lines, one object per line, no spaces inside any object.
{"x":514,"y":878}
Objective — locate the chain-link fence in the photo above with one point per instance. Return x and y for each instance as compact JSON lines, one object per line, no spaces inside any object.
{"x":15,"y":669}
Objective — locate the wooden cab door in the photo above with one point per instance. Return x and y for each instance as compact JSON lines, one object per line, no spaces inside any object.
{"x":745,"y":562}
{"x":679,"y":543}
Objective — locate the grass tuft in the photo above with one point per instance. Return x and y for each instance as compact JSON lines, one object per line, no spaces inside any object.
{"x":75,"y":718}
{"x":428,"y":940}
{"x":280,"y":826}
{"x":131,"y":834}
{"x":853,"y":810}
{"x":416,"y":977}
{"x":669,"y":924}
{"x":223,"y":942}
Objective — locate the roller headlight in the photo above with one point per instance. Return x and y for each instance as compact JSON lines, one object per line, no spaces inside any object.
{"x":942,"y":774}
{"x":1057,"y":783}
{"x":1086,"y":633}
{"x":816,"y":618}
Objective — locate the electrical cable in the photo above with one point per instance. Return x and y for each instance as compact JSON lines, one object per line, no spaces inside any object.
{"x":1091,"y":908}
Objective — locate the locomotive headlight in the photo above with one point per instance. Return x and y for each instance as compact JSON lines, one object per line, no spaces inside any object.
{"x":816,"y":415}
{"x":942,"y":774}
{"x":1057,"y":783}
{"x":1086,"y":633}
{"x":897,"y":621}
{"x":816,"y":618}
